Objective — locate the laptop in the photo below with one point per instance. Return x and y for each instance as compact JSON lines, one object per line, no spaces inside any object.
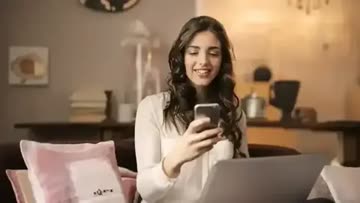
{"x":280,"y":179}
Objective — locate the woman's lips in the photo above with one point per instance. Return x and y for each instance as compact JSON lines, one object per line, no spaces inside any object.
{"x":202,"y":73}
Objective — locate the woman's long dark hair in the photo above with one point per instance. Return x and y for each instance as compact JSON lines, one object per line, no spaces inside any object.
{"x":183,"y":94}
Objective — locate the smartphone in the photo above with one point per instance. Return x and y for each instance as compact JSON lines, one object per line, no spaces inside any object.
{"x":211,"y":110}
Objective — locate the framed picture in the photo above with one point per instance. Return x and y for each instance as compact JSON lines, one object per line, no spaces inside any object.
{"x":28,"y":65}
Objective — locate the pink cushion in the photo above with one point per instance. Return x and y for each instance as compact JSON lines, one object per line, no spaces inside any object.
{"x":23,"y":192}
{"x":21,"y":185}
{"x":129,"y":187}
{"x":73,"y":172}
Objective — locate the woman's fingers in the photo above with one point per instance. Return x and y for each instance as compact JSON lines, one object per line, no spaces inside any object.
{"x":198,"y":124}
{"x":206,"y":134}
{"x":207,"y":142}
{"x":195,"y":142}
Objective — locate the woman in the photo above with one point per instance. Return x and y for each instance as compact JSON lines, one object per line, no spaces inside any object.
{"x":174,"y":152}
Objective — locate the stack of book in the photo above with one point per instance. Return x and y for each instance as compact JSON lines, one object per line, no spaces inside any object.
{"x":87,"y":106}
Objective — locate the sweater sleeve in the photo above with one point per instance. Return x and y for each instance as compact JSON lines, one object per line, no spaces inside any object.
{"x":152,"y":183}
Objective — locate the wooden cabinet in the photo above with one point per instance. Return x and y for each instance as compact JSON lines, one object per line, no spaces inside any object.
{"x":123,"y":133}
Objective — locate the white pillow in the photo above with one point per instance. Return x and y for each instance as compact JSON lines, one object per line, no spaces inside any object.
{"x":94,"y":180}
{"x":343,"y":183}
{"x":24,"y":193}
{"x":73,"y":172}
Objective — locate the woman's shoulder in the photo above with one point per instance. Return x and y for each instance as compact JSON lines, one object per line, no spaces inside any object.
{"x":158,"y":100}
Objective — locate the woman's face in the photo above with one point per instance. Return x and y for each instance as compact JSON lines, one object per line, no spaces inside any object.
{"x":203,"y":59}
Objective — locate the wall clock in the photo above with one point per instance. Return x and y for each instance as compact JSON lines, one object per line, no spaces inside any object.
{"x":111,"y":6}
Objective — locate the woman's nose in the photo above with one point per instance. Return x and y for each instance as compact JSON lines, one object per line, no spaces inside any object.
{"x":202,"y":59}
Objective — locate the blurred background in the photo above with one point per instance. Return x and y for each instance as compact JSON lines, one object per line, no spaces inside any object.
{"x":315,"y":42}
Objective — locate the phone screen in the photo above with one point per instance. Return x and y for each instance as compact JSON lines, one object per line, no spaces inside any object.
{"x":211,"y":110}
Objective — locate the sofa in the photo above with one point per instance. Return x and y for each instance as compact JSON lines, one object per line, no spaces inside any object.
{"x":10,"y":158}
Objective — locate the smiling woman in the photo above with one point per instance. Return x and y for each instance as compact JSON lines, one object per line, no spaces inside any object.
{"x":203,"y":59}
{"x":174,"y":150}
{"x":109,"y":5}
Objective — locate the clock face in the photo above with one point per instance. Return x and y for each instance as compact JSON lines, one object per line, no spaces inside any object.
{"x":109,"y":5}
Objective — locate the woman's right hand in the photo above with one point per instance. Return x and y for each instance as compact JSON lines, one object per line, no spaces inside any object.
{"x":191,"y":145}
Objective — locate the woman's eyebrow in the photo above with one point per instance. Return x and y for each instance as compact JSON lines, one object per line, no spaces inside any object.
{"x":209,"y":48}
{"x":214,"y":48}
{"x":193,"y":47}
